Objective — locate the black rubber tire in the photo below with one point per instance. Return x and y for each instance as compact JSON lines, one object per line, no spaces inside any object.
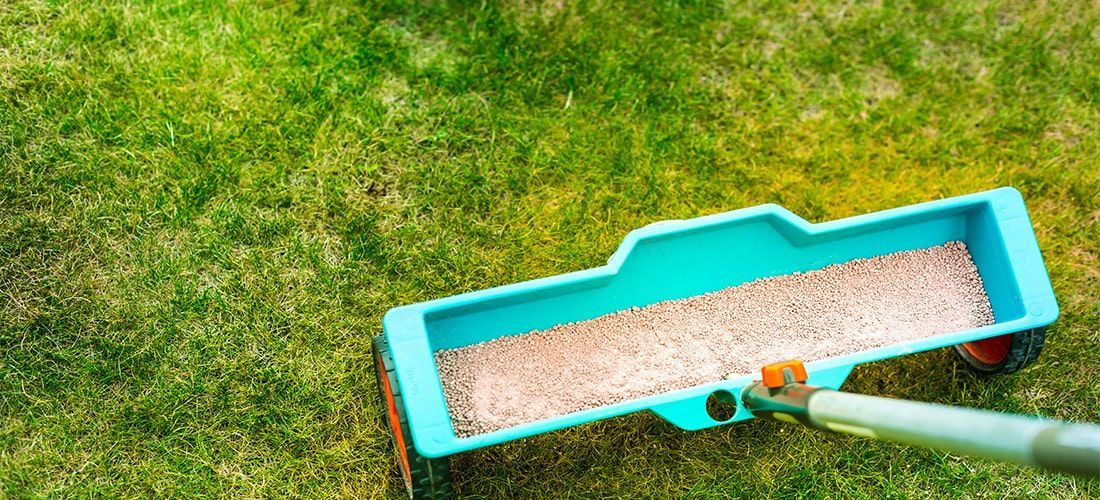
{"x":426,"y":478}
{"x":1023,"y":350}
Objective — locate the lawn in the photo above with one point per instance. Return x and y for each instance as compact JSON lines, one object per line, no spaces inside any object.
{"x":206,"y":208}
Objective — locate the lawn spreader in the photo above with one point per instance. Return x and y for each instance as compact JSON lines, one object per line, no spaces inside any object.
{"x":676,"y":260}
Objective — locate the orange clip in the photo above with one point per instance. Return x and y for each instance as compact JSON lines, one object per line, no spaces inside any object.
{"x":773,"y":373}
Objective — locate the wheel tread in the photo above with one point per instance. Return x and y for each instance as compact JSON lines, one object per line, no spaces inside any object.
{"x":431,"y":477}
{"x":1022,"y":352}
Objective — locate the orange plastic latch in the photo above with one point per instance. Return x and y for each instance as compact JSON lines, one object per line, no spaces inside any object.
{"x":774,"y":373}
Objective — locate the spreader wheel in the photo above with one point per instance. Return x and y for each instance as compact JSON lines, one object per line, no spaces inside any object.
{"x":1004,"y":354}
{"x":424,"y":478}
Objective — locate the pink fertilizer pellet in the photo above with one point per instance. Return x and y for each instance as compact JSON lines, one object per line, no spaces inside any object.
{"x":837,"y":310}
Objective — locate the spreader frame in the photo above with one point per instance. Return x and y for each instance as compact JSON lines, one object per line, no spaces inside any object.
{"x":676,"y":259}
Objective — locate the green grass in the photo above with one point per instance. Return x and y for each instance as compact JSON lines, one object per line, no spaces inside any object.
{"x":205,"y":209}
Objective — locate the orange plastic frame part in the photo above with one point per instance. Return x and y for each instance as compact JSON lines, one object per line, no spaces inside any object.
{"x":773,"y":373}
{"x":395,"y":424}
